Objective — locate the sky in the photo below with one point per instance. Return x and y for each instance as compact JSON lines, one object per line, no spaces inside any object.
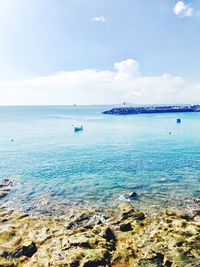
{"x":99,"y":52}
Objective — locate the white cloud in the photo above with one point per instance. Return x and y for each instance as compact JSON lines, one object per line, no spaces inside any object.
{"x":89,"y":86}
{"x":129,"y":66}
{"x":183,"y":10}
{"x":99,"y":19}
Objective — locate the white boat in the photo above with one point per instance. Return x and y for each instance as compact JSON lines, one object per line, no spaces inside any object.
{"x":78,"y":129}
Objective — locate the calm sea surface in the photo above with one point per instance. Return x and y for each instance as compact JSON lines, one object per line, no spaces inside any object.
{"x":52,"y":166}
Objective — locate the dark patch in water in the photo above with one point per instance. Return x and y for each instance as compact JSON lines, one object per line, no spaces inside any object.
{"x":196,"y":193}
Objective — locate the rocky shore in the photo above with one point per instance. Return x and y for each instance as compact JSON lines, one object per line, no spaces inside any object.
{"x":89,"y":238}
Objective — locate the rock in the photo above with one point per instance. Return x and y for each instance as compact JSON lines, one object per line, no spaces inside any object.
{"x":162,"y":239}
{"x":138,"y":215}
{"x":99,"y":219}
{"x":189,"y":214}
{"x":79,"y":241}
{"x":94,"y":263}
{"x":159,"y":258}
{"x":171,"y":213}
{"x":6,"y":183}
{"x":5,"y":187}
{"x":133,"y":195}
{"x":74,"y":264}
{"x":74,"y":259}
{"x":147,"y":263}
{"x":127,"y":211}
{"x":125,"y":227}
{"x":156,"y":261}
{"x":168,"y":263}
{"x":96,"y":259}
{"x":81,"y":220}
{"x":197,"y":200}
{"x":4,"y":253}
{"x":4,"y":192}
{"x":109,"y":235}
{"x":27,"y":250}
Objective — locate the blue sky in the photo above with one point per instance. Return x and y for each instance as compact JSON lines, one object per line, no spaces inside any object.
{"x":43,"y":38}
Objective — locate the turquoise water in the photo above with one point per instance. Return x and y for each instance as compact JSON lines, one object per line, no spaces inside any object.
{"x":54,"y":167}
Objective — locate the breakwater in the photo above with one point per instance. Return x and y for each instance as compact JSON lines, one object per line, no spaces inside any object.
{"x":152,"y":109}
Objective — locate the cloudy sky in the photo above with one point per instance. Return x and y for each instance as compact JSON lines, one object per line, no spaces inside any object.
{"x":99,"y":52}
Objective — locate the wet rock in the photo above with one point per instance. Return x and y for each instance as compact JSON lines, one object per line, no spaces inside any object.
{"x":197,"y":200}
{"x":6,"y":183}
{"x":98,"y":219}
{"x":81,"y":220}
{"x":4,"y":192}
{"x":133,"y":195}
{"x":5,"y":187}
{"x":125,"y":227}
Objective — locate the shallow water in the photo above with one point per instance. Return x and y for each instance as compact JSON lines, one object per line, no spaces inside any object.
{"x":52,"y":166}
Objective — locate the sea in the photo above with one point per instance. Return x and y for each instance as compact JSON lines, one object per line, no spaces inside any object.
{"x":54,"y":168}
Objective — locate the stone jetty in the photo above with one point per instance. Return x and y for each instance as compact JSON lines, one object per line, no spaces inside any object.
{"x":152,"y":109}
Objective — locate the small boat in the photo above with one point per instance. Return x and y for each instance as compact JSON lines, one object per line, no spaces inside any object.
{"x":178,"y":120}
{"x":78,"y":129}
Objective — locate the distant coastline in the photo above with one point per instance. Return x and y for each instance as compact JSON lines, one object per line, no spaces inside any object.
{"x":156,"y":109}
